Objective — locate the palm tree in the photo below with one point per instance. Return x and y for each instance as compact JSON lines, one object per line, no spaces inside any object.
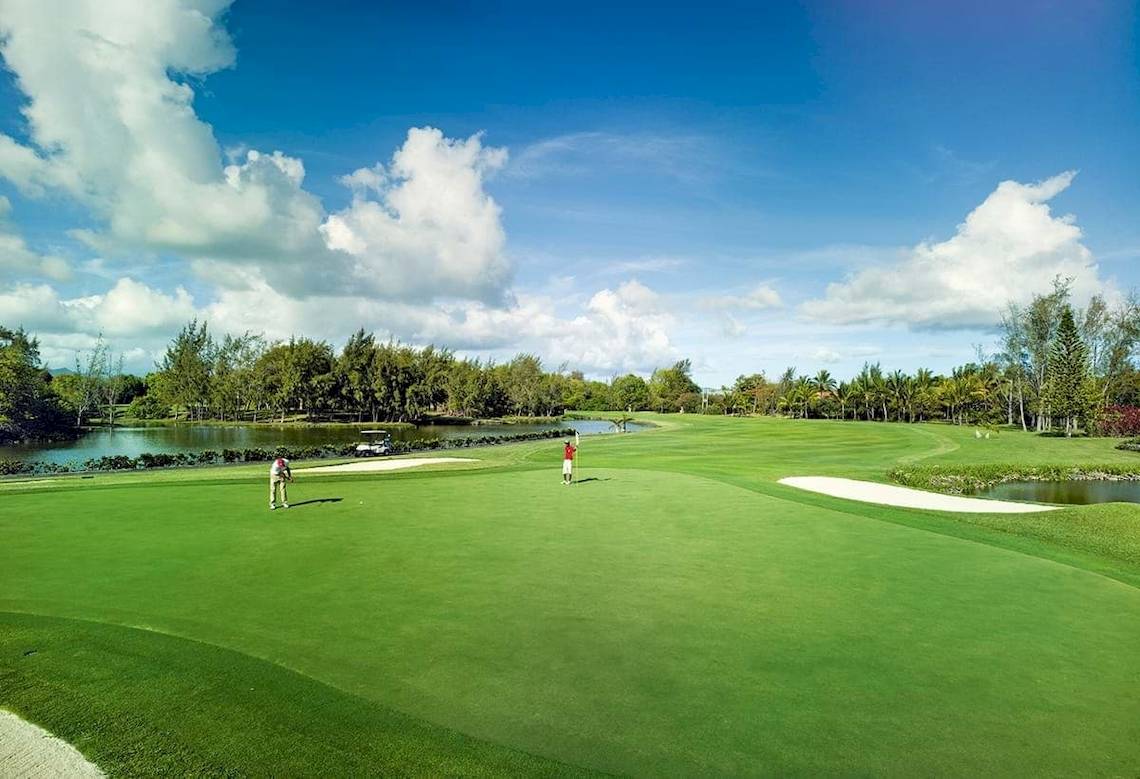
{"x":876,"y":387}
{"x":843,"y":394}
{"x":923,"y":389}
{"x":619,"y":423}
{"x":823,"y":382}
{"x":786,"y":403}
{"x":899,"y":388}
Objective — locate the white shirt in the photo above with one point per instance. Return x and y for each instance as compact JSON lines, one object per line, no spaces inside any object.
{"x":278,"y":467}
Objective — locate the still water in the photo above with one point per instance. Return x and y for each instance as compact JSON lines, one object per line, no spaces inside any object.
{"x":133,"y":441}
{"x":1078,"y":491}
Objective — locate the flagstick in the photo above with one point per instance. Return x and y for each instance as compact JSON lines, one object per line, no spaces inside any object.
{"x":577,"y":447}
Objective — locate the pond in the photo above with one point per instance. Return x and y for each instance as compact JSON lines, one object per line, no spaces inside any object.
{"x":133,"y":441}
{"x":1073,"y":492}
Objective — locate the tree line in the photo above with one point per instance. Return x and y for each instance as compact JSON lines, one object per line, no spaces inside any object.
{"x":1056,"y":368}
{"x":246,"y":377}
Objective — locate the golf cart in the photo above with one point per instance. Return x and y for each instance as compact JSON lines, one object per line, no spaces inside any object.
{"x":377,"y":444}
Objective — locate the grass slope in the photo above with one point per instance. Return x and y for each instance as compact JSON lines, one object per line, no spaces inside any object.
{"x":146,"y":704}
{"x":677,"y":613}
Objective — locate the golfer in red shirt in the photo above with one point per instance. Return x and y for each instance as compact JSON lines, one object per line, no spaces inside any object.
{"x":568,"y":463}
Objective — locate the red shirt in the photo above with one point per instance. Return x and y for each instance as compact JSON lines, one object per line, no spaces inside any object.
{"x":569,"y":453}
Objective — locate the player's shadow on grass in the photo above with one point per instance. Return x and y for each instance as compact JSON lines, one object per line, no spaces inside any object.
{"x":315,"y":500}
{"x":591,"y":478}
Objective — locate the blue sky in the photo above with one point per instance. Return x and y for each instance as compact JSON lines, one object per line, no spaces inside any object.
{"x":612,"y":188}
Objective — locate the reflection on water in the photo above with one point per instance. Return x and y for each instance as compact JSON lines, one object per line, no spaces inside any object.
{"x":133,"y":441}
{"x":1074,"y":492}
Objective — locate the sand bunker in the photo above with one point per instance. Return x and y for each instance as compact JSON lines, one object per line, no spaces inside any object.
{"x":888,"y":495}
{"x":365,"y":466}
{"x":27,"y":750}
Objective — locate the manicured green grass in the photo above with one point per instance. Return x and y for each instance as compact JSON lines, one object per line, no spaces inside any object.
{"x":676,"y":613}
{"x":192,"y":708}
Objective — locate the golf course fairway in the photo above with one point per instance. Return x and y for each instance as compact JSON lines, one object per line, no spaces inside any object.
{"x":676,"y":612}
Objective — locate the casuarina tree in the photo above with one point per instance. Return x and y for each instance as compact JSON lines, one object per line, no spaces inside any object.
{"x":1070,"y":385}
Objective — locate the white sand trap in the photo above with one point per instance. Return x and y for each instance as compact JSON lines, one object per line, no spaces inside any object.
{"x":385,"y":465}
{"x":27,"y":750}
{"x":888,"y":495}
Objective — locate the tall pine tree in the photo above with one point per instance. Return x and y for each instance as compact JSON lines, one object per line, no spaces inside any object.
{"x":1070,"y":386}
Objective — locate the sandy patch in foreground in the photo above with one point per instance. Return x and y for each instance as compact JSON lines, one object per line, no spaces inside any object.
{"x":889,"y":495}
{"x":386,"y":465}
{"x":27,"y":750}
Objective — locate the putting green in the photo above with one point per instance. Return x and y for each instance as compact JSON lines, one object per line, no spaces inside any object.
{"x":676,"y":613}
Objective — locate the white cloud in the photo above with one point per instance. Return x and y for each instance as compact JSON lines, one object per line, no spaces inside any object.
{"x":129,"y":309}
{"x":36,"y":307}
{"x":643,"y":265}
{"x":111,"y":122}
{"x":113,"y":127}
{"x":683,"y":157}
{"x":419,"y":253}
{"x":622,"y":329}
{"x":1010,"y":247}
{"x":830,"y":355}
{"x":16,"y":259}
{"x":425,"y":227}
{"x":731,"y":327}
{"x":132,"y":308}
{"x":758,"y":298}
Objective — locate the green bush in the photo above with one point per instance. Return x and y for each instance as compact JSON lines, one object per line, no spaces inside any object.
{"x":147,"y":407}
{"x":958,"y":480}
{"x":115,"y":462}
{"x":161,"y":460}
{"x":15,"y":467}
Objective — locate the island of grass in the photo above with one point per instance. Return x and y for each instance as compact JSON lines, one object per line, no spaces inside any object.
{"x":676,"y":612}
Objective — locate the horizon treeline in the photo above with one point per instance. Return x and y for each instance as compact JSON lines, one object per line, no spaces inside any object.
{"x":248,"y":378}
{"x":1056,"y":367}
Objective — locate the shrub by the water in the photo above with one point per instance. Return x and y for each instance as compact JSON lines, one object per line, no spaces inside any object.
{"x":148,"y":407}
{"x":114,"y":462}
{"x":957,"y":480}
{"x":15,"y":467}
{"x":1131,"y":445}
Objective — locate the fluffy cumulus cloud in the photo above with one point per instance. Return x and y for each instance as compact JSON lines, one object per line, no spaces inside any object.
{"x":111,"y":122}
{"x":424,"y":226}
{"x":129,"y":308}
{"x":419,"y":253}
{"x":625,"y":328}
{"x":36,"y":307}
{"x":1010,"y":247}
{"x":110,"y":125}
{"x":132,"y":308}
